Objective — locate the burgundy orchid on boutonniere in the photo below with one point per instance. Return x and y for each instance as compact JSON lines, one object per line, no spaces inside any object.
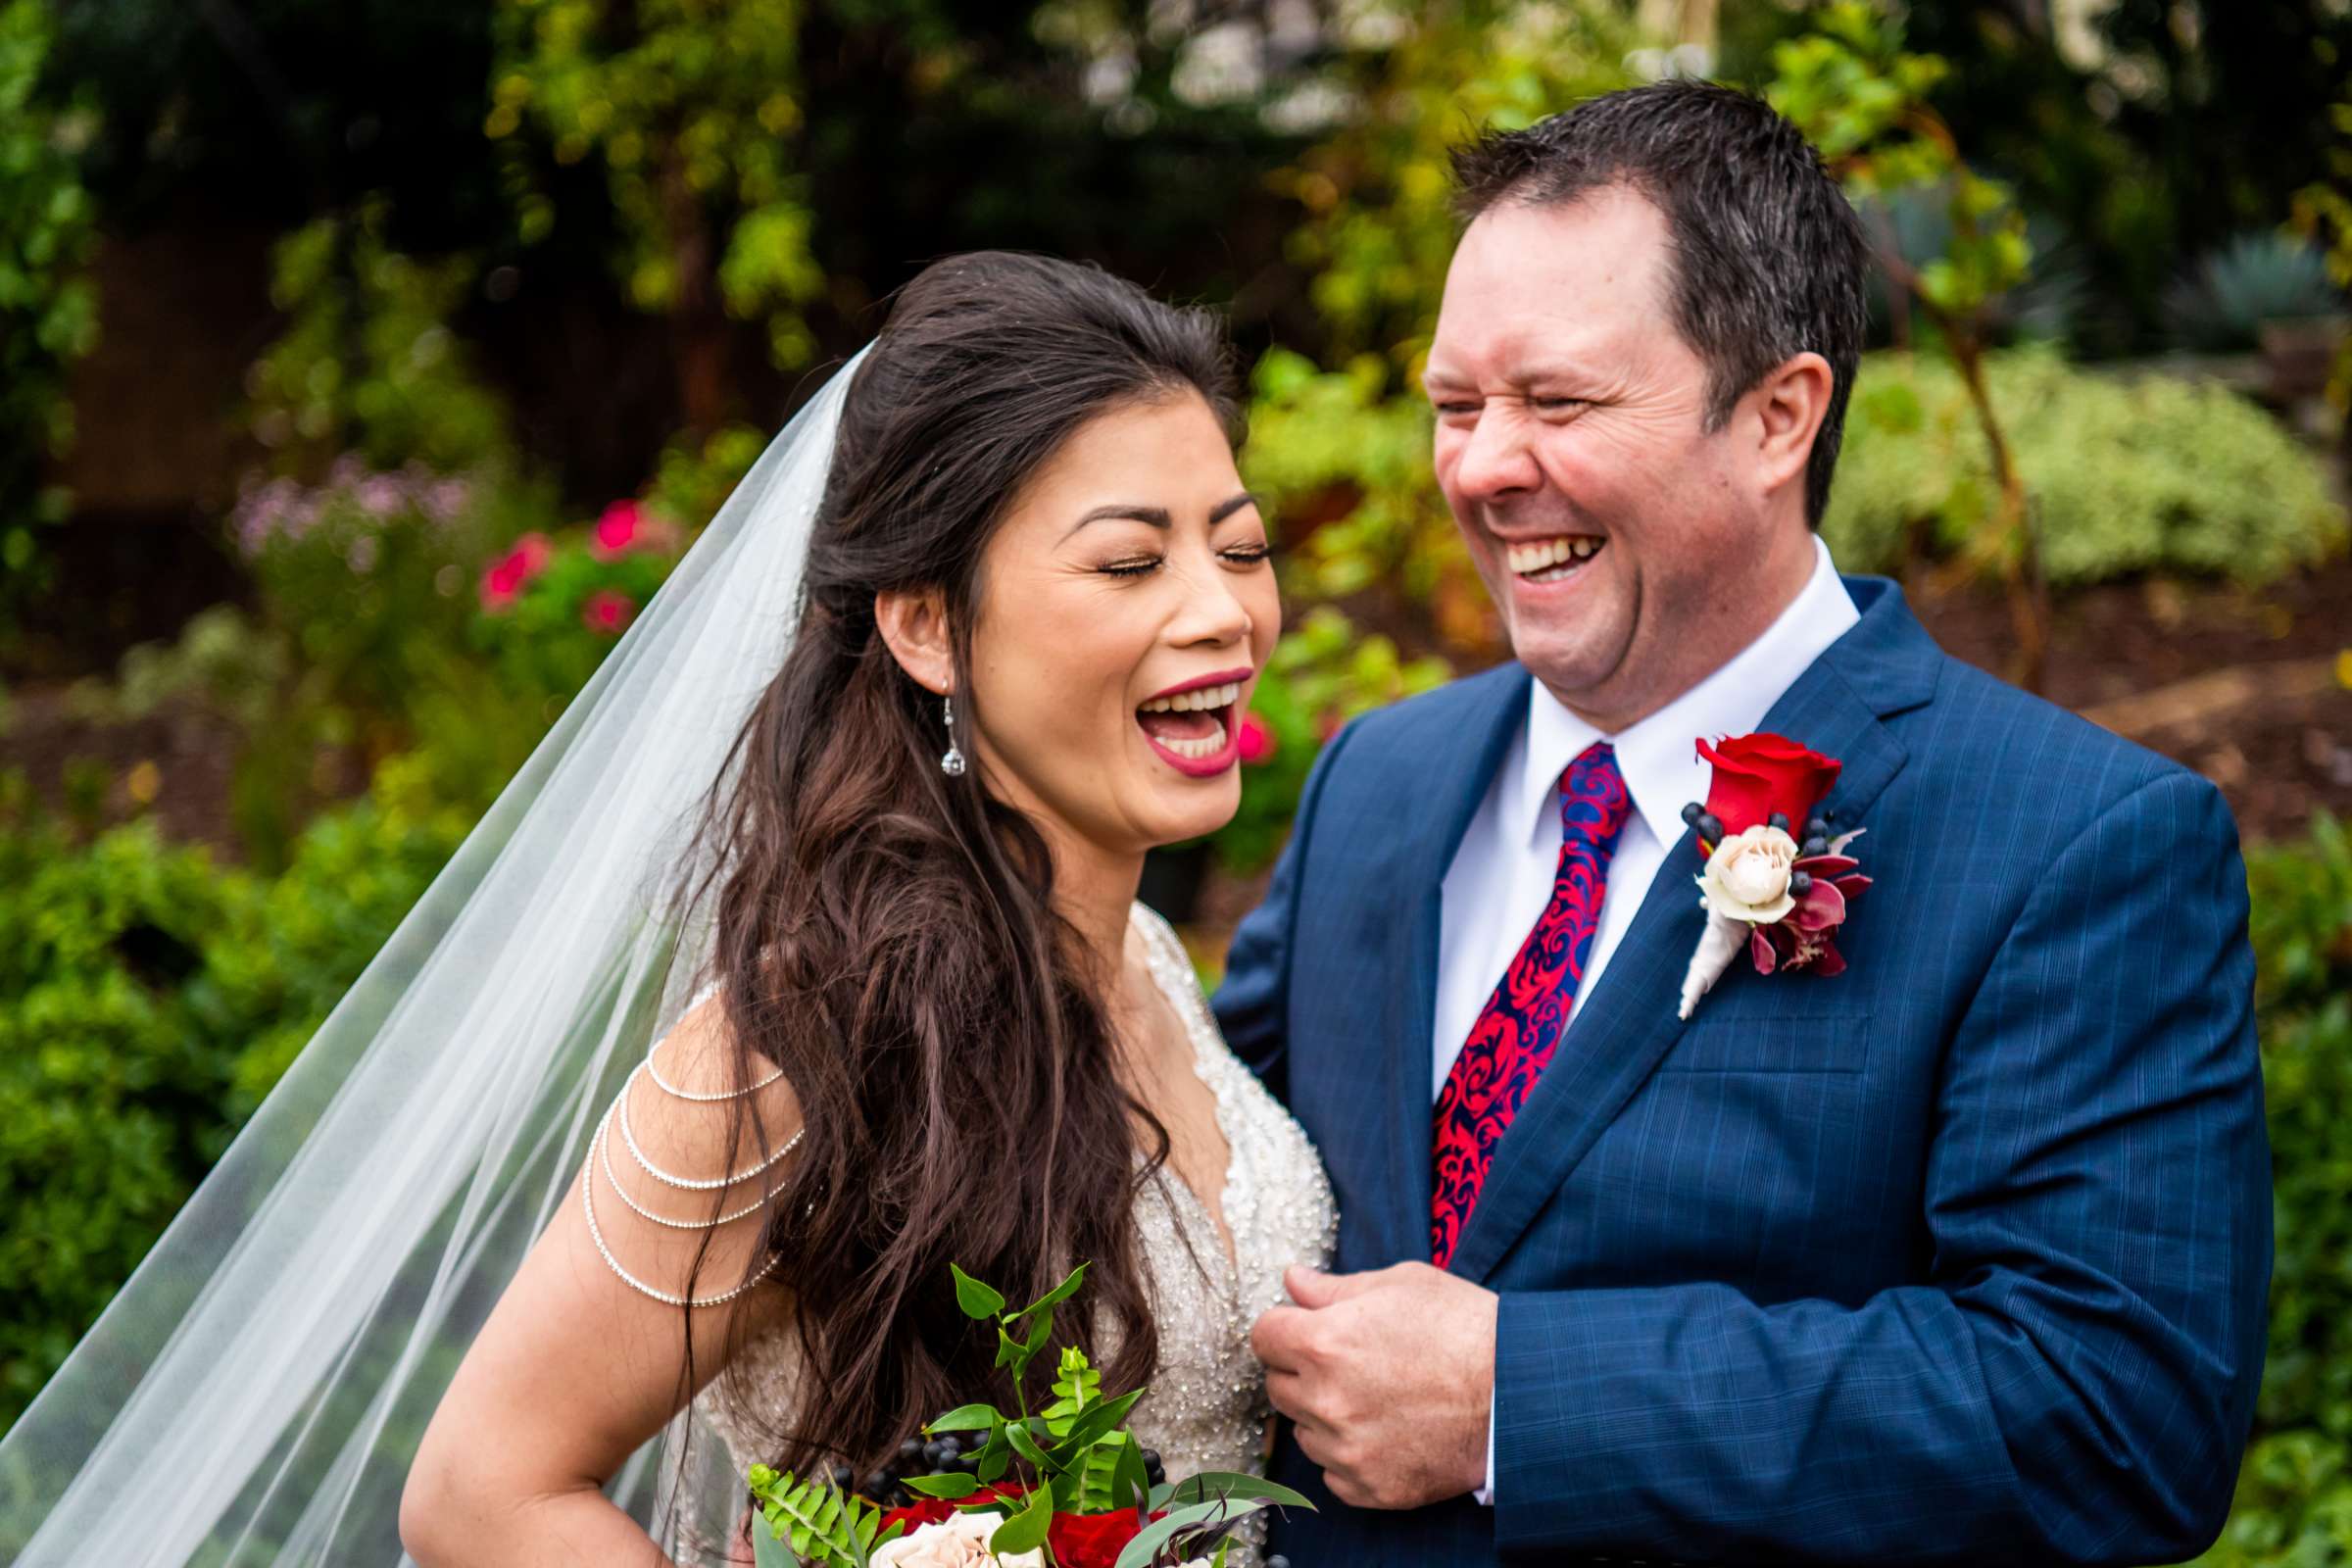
{"x":1779,"y":895}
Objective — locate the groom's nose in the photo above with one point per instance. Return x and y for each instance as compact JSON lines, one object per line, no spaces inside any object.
{"x":1498,"y":458}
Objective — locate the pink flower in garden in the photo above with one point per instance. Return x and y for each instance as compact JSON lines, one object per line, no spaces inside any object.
{"x":616,"y":530}
{"x":1257,"y":741}
{"x":607,"y":611}
{"x":507,"y":575}
{"x":626,"y":525}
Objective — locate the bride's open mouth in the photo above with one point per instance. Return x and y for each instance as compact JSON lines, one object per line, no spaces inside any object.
{"x":1196,"y":727}
{"x":1553,"y":560}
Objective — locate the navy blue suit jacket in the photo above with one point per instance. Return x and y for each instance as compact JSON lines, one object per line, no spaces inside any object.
{"x":1961,"y":1256}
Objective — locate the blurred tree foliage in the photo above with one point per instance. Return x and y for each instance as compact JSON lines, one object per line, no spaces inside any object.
{"x":2147,"y":132}
{"x":1863,"y":99}
{"x":48,"y":311}
{"x":694,"y":112}
{"x":1345,"y":452}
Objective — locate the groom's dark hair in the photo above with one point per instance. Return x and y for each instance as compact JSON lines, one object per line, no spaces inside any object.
{"x":1768,"y":256}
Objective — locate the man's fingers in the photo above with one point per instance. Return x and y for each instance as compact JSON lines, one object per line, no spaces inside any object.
{"x":1312,"y":1287}
{"x":1279,"y":1338}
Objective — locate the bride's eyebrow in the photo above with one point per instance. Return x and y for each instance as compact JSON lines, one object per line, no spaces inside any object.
{"x":1158,"y":517}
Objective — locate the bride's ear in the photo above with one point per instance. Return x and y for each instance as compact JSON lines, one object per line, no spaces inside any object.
{"x":914,"y":625}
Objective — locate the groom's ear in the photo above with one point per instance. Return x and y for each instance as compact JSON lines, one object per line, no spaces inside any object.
{"x":914,"y":625}
{"x":1789,"y":405}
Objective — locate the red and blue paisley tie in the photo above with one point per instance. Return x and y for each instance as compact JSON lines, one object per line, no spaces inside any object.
{"x":1523,"y":1020}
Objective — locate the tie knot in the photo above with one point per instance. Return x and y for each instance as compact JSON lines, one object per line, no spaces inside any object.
{"x":1593,"y":799}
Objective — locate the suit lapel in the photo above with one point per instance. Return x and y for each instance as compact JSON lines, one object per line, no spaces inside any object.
{"x":1487,"y":733}
{"x":1617,"y":1036}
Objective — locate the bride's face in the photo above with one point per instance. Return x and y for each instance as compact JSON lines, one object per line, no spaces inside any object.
{"x":1125,"y":607}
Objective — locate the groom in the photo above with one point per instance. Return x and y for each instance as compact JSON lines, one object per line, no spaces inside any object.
{"x":1959,"y":1253}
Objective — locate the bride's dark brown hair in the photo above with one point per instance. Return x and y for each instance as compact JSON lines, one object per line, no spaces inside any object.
{"x":887,"y":933}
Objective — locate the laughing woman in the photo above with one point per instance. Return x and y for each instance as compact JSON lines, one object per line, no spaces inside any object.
{"x":939,"y":1027}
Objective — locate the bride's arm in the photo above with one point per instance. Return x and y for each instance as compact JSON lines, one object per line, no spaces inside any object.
{"x":578,"y":1368}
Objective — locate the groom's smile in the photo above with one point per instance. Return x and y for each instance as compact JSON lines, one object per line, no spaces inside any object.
{"x":1625,"y":537}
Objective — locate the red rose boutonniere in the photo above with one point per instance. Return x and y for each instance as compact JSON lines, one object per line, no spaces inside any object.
{"x":1767,"y":889}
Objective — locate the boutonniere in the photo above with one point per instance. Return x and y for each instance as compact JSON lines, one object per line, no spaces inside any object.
{"x":1778,"y":877}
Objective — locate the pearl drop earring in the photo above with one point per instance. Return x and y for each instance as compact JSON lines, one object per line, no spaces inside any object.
{"x":951,"y":764}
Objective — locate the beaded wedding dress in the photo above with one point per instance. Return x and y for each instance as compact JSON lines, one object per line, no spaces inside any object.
{"x":1207,"y":1409}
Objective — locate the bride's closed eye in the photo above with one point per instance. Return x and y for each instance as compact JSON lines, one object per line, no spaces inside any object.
{"x":1244,"y":556}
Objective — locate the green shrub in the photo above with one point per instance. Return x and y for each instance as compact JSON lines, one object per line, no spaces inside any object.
{"x":2294,"y":1497}
{"x":112,"y":1096}
{"x":2125,"y":476}
{"x":149,"y":999}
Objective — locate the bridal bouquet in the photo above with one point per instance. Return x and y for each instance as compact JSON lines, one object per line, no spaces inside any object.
{"x":1065,"y":1485}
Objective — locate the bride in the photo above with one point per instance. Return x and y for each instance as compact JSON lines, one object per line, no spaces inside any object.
{"x":1036,"y":599}
{"x":973,"y":636}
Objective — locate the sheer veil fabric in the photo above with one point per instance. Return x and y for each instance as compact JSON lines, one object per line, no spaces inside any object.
{"x":255,"y":1393}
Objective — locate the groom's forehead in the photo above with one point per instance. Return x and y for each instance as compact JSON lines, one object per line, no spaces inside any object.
{"x":1571,"y":276}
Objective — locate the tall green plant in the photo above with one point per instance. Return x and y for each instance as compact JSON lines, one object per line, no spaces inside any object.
{"x":48,"y":307}
{"x":1863,"y":100}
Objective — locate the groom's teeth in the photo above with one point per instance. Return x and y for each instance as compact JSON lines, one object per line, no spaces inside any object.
{"x":1542,"y":554}
{"x":1205,"y":699}
{"x":1199,"y":751}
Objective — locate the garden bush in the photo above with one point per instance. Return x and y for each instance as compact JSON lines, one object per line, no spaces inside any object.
{"x":149,"y":999}
{"x":2154,"y":474}
{"x":113,"y":1097}
{"x":2294,"y":1497}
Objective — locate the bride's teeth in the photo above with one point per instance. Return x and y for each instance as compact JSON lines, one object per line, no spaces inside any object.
{"x":1207,"y":746}
{"x":1205,"y":699}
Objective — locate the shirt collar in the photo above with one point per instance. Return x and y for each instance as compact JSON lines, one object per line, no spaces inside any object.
{"x":1658,"y":756}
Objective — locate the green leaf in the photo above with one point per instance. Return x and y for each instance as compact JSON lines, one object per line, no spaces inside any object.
{"x":1211,"y":1484}
{"x":952,"y":1485}
{"x":1025,"y":1443}
{"x":1148,"y":1542}
{"x":979,"y":1301}
{"x":767,"y":1549}
{"x":1025,"y":1531}
{"x":1056,"y":1296}
{"x":1099,"y":1418}
{"x":966,"y":1418}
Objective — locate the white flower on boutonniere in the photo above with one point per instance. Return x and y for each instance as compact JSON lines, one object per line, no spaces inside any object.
{"x":1747,"y":876}
{"x":1765,"y":889}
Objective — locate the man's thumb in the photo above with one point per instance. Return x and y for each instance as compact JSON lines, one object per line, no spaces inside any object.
{"x":1311,"y":1286}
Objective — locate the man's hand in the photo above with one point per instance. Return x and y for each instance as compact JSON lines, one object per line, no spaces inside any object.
{"x":1389,"y":1377}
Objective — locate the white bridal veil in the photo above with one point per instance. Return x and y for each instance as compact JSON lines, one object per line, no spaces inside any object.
{"x":254,"y":1394}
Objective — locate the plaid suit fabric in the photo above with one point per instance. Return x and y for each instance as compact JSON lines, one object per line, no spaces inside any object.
{"x":1959,"y":1256}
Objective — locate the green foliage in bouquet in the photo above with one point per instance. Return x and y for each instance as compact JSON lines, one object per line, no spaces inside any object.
{"x":1071,"y":1455}
{"x":2126,"y":476}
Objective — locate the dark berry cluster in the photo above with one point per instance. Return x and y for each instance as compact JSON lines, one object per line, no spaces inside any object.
{"x":1814,"y":841}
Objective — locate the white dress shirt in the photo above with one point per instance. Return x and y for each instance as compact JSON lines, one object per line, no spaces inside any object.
{"x":1502,"y":875}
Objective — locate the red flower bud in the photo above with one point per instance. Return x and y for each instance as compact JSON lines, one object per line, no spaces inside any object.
{"x":1756,"y":775}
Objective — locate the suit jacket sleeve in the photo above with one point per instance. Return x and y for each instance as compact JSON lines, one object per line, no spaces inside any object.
{"x":1252,"y":1002}
{"x":2076,"y":1380}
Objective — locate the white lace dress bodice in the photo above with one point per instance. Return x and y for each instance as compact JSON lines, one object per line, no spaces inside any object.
{"x":1208,"y":1408}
